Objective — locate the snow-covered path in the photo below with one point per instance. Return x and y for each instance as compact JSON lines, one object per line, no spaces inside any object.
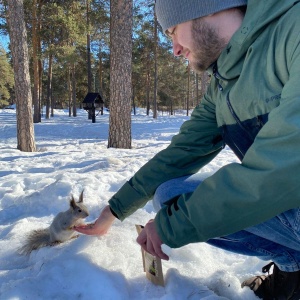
{"x":73,"y":155}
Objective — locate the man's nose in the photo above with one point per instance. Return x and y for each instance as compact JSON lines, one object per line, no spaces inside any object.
{"x":177,"y":48}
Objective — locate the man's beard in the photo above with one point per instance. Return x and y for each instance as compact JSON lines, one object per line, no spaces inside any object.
{"x":207,"y":45}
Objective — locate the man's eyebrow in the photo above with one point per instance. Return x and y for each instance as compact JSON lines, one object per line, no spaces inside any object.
{"x":170,"y":33}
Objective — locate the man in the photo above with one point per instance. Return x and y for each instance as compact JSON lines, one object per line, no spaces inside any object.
{"x":253,"y":106}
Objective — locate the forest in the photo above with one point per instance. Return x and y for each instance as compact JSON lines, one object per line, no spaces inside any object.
{"x":69,"y":56}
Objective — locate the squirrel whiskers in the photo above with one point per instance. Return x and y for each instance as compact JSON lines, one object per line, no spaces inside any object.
{"x":60,"y":230}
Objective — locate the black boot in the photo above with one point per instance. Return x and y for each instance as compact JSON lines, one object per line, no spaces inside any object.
{"x":276,"y":286}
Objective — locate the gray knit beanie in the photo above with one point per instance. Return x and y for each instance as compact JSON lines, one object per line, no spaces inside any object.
{"x":172,"y":12}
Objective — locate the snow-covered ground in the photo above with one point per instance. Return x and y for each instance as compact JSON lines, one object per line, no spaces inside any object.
{"x":73,"y":155}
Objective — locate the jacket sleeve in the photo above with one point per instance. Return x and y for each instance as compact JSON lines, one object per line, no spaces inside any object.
{"x":238,"y":196}
{"x":197,"y":143}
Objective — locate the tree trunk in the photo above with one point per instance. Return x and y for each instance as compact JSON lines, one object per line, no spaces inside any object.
{"x":88,"y":48}
{"x":40,"y":65}
{"x":18,"y":42}
{"x":100,"y":73}
{"x":133,"y":102}
{"x":49,"y":87}
{"x":171,"y":98}
{"x":155,"y":69}
{"x":197,"y":89}
{"x":69,"y":90}
{"x":148,"y":91}
{"x":74,"y":90}
{"x":188,"y":91}
{"x":40,"y":83}
{"x":120,"y":72}
{"x":36,"y":79}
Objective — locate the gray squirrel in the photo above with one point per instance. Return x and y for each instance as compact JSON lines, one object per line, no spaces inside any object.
{"x":60,"y":230}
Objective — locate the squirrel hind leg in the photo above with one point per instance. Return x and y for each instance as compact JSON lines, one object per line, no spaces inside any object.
{"x":55,"y":243}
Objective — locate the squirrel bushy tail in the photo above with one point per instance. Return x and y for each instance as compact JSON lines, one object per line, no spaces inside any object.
{"x":35,"y":240}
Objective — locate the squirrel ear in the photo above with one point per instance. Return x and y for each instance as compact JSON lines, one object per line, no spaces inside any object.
{"x":81,"y":197}
{"x":72,"y":202}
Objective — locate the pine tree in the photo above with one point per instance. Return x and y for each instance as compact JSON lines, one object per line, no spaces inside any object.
{"x":6,"y":78}
{"x":18,"y":39}
{"x":120,"y":72}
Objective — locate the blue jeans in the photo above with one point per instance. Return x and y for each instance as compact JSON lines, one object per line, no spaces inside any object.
{"x":277,"y":239}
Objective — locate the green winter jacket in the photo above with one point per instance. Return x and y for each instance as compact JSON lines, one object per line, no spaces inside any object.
{"x":253,"y":105}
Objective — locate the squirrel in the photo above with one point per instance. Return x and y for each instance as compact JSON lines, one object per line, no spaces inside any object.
{"x":60,"y":230}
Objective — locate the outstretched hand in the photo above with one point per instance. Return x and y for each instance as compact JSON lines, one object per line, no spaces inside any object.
{"x":150,"y":241}
{"x":100,"y":226}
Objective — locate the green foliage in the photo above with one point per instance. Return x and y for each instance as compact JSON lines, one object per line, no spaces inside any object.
{"x":6,"y":78}
{"x":63,"y":30}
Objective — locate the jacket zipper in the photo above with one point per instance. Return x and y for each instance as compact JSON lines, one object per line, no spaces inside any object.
{"x":236,"y":118}
{"x":217,"y":76}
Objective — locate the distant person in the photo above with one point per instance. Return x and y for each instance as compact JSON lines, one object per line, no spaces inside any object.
{"x":252,"y":51}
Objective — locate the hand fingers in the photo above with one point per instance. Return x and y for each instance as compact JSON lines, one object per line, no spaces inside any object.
{"x":158,"y":252}
{"x":154,"y":249}
{"x":88,"y":229}
{"x":151,"y":244}
{"x":142,"y":238}
{"x":85,"y":226}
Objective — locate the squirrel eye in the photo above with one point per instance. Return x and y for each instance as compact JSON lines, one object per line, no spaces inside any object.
{"x":79,"y":210}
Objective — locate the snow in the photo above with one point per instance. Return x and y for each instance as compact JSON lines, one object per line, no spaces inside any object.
{"x":73,"y":155}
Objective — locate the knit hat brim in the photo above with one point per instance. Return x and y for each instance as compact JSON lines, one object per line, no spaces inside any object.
{"x":173,"y":12}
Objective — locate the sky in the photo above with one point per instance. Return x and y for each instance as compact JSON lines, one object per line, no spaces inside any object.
{"x":72,"y":155}
{"x":4,"y":41}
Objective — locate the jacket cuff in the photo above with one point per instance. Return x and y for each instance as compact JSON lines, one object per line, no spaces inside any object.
{"x":174,"y":227}
{"x":114,"y":214}
{"x":126,"y":201}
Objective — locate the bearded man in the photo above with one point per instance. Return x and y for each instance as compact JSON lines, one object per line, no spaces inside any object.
{"x":252,"y":51}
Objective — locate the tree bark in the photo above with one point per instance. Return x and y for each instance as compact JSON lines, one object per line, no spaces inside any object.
{"x":36,"y":79}
{"x":197,"y":89}
{"x":88,"y":48}
{"x":49,"y":87}
{"x":19,"y":49}
{"x":73,"y":76}
{"x":120,"y":72}
{"x":69,"y":90}
{"x":148,"y":78}
{"x":155,"y":69}
{"x":40,"y":65}
{"x":100,"y":73}
{"x":188,"y":91}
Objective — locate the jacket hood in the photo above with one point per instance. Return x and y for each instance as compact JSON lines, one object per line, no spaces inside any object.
{"x":259,"y":15}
